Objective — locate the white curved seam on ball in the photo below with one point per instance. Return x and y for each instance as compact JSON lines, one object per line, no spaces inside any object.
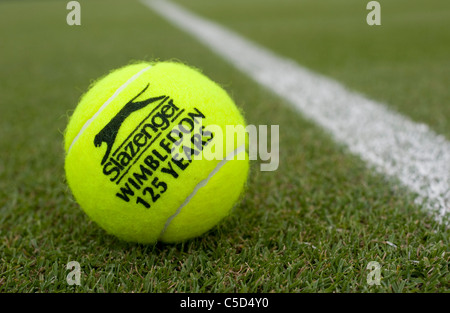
{"x":104,"y":105}
{"x":203,"y":183}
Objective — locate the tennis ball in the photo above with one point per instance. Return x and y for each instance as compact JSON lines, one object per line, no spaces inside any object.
{"x":141,"y":153}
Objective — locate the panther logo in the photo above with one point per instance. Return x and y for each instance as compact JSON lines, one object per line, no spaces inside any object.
{"x":109,"y":133}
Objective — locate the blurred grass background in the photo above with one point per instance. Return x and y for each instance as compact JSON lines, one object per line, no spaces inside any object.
{"x":403,"y":63}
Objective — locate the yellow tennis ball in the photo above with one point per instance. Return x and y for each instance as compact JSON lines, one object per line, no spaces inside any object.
{"x":142,"y":153}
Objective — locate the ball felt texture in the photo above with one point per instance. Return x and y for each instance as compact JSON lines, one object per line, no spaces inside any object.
{"x":120,"y":162}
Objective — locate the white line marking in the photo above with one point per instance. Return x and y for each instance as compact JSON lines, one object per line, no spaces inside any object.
{"x":104,"y":105}
{"x":392,"y":143}
{"x":203,"y":183}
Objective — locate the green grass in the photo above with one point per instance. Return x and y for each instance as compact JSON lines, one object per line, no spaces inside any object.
{"x":311,"y":226}
{"x":404,"y":62}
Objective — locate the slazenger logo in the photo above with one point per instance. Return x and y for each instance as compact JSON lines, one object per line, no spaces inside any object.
{"x":117,"y":162}
{"x":134,"y":150}
{"x":109,"y":133}
{"x":144,"y":149}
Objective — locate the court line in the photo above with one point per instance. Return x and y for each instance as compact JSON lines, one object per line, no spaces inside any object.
{"x":393,"y":144}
